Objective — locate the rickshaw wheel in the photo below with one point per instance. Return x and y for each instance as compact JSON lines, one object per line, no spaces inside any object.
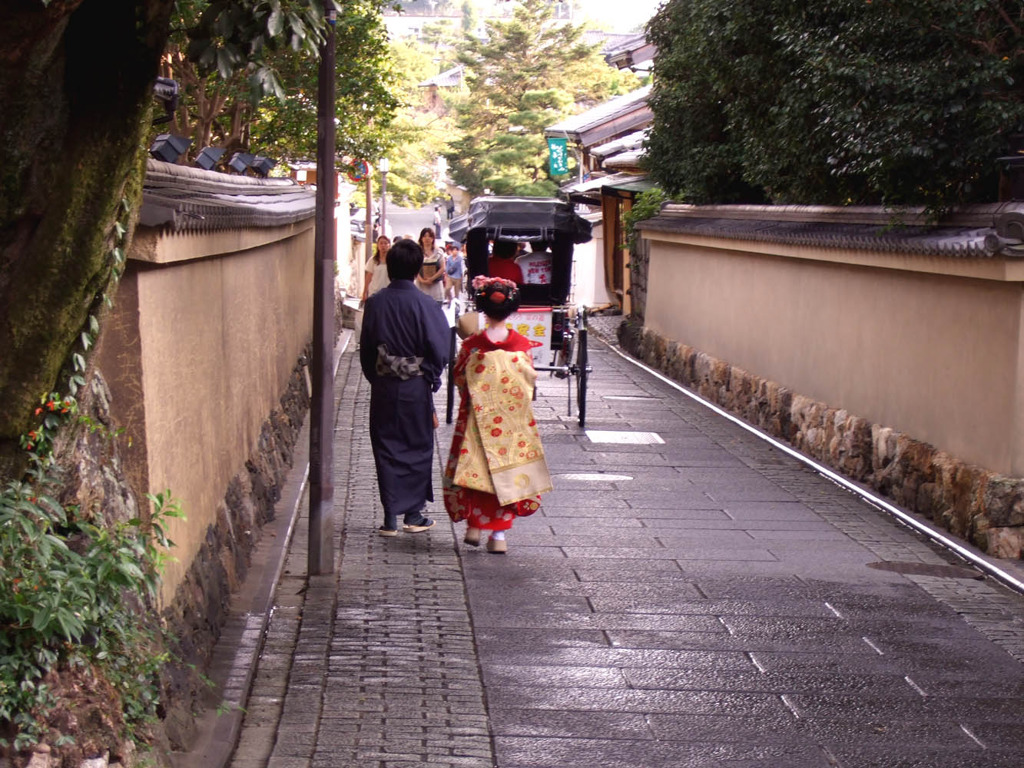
{"x":581,"y":374}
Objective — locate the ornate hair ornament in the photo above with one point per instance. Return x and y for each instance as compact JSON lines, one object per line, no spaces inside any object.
{"x":482,"y":281}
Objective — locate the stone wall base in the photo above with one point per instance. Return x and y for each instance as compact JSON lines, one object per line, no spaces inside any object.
{"x":982,"y":507}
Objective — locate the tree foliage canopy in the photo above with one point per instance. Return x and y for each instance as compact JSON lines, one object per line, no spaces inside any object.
{"x":835,"y":102}
{"x":249,"y":75}
{"x":75,"y":115}
{"x":530,"y":72}
{"x":365,"y":97}
{"x":421,"y":131}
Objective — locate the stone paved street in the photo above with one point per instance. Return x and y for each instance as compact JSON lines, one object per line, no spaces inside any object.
{"x":687,"y":596}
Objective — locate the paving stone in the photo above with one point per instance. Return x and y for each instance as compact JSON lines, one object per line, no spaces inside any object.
{"x":715,"y":610}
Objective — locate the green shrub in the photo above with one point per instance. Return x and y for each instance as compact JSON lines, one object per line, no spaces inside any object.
{"x":835,"y":102}
{"x":74,"y":593}
{"x":646,"y":206}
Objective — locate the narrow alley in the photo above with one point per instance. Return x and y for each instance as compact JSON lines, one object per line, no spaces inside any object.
{"x":687,"y":596}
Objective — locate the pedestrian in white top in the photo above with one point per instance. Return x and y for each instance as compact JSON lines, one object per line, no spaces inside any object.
{"x":377,"y":268}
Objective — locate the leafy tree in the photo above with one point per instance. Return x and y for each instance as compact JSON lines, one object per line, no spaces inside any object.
{"x":427,"y":7}
{"x":442,"y":37}
{"x":468,"y":22}
{"x":76,"y":85}
{"x":73,"y":118}
{"x":420,"y":134}
{"x":845,"y":101}
{"x":365,"y":99}
{"x":76,"y":112}
{"x":266,"y":100}
{"x":529,"y":73}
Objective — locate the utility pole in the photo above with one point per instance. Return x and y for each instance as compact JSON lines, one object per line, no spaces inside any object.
{"x":370,"y":238}
{"x":321,"y":415}
{"x":384,"y":167}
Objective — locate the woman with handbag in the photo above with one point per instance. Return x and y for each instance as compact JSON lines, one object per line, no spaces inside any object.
{"x":432,"y":279}
{"x":496,"y":467}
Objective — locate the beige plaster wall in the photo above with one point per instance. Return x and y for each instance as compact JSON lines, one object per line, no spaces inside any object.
{"x":219,"y":338}
{"x":927,"y":346}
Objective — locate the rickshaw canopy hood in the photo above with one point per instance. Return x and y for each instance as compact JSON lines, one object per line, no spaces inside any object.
{"x":521,"y":219}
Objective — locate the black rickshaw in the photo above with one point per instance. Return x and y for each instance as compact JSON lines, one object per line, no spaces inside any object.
{"x":547,"y":314}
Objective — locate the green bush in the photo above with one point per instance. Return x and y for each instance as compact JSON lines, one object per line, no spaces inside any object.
{"x":835,"y":102}
{"x":73,"y":593}
{"x":646,"y":206}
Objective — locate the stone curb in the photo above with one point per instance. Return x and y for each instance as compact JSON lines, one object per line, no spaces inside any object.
{"x":238,"y":649}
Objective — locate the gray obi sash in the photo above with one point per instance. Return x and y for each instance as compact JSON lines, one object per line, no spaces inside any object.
{"x":402,"y":368}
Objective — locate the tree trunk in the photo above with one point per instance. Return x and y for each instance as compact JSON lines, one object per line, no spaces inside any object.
{"x":76,"y":88}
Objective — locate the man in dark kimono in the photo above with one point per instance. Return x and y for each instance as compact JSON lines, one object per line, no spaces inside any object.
{"x":403,"y":348}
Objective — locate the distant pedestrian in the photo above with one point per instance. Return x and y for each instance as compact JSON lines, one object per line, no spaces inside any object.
{"x":403,"y":348}
{"x":454,"y":269}
{"x":451,"y":207}
{"x":432,"y":279}
{"x":496,"y":467}
{"x":437,"y":222}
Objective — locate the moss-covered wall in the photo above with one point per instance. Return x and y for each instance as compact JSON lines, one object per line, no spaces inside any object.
{"x":76,"y":89}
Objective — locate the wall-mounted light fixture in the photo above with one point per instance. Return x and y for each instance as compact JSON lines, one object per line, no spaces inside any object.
{"x":169,"y":148}
{"x":240,"y":161}
{"x":262,"y":166}
{"x":167,"y":92}
{"x":209,"y":157}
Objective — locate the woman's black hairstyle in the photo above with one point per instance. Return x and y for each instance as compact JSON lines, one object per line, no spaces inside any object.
{"x":496,"y":297}
{"x":504,"y":249}
{"x":404,"y":260}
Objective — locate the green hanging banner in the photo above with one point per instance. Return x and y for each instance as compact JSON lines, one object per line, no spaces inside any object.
{"x":558,"y":154}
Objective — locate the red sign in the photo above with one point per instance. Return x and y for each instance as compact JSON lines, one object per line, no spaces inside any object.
{"x":360,"y":170}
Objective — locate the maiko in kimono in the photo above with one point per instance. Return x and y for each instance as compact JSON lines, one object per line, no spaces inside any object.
{"x":496,"y":469}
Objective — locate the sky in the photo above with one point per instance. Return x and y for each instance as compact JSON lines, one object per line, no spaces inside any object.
{"x":623,"y":15}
